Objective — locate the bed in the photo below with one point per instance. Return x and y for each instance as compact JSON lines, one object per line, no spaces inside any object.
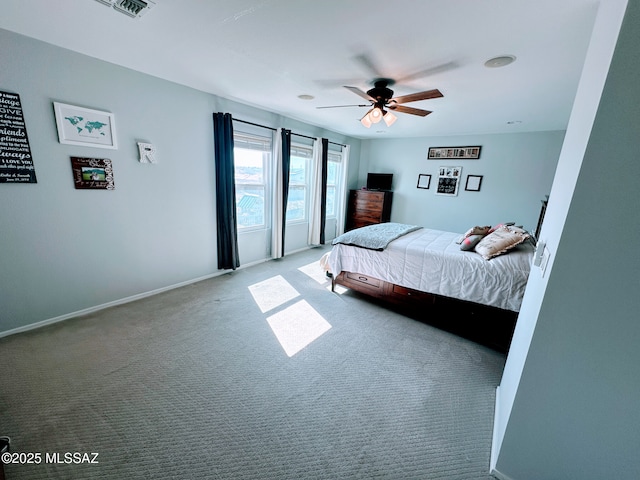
{"x":420,"y":265}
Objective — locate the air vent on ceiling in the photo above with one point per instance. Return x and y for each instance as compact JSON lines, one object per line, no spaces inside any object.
{"x":132,"y":8}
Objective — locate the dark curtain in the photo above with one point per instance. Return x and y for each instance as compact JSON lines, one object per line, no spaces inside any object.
{"x":228,"y":257}
{"x":285,"y":136}
{"x":323,"y":198}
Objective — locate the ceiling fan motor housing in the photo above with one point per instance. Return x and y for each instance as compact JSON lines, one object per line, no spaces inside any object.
{"x":380,"y":91}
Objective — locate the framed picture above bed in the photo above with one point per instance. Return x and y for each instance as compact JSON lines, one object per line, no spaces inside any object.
{"x":473,"y":183}
{"x":424,"y":181}
{"x":460,"y":153}
{"x":449,"y":181}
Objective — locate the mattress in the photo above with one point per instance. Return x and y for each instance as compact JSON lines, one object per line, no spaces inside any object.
{"x":431,"y":261}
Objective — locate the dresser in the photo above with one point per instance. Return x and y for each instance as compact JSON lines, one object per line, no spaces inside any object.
{"x":367,"y":207}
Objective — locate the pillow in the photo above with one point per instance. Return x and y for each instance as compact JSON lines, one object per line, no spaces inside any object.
{"x":470,"y":242}
{"x":500,"y":241}
{"x":505,"y":224}
{"x":474,"y":231}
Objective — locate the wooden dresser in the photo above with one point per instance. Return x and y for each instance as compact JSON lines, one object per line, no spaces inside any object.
{"x":367,"y":207}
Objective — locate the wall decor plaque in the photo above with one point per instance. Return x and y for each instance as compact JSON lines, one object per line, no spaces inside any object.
{"x":16,"y":163}
{"x":449,"y":181}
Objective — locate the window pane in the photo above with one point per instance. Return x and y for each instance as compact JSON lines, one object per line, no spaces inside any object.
{"x":297,"y":200}
{"x":332,"y":173}
{"x":297,"y":171}
{"x":250,"y":205}
{"x":331,"y":201}
{"x":296,"y":203}
{"x":249,"y":166}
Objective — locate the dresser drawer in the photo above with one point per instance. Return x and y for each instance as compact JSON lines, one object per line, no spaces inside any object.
{"x":408,"y":294}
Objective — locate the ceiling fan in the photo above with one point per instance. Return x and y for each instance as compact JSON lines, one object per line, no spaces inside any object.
{"x":381,"y":100}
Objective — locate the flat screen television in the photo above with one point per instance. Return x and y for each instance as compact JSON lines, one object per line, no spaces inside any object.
{"x":379,"y":181}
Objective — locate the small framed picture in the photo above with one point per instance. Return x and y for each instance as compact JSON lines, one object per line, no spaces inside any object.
{"x":92,"y":173}
{"x":473,"y":183}
{"x":424,"y":181}
{"x":448,"y":181}
{"x":85,"y":127}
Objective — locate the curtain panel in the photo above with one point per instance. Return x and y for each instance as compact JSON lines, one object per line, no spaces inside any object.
{"x":318,"y":191}
{"x":281,"y":185}
{"x":228,"y":256}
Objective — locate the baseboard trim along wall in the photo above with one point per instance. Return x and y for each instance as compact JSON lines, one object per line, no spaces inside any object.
{"x":494,"y":448}
{"x":114,"y":303}
{"x":122,"y":301}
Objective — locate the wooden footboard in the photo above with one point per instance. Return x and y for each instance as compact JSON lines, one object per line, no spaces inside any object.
{"x":380,"y":289}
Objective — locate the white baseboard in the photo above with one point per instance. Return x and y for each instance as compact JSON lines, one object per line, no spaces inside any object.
{"x":132,"y":298}
{"x":494,"y":447}
{"x":500,"y":476}
{"x":86,"y":311}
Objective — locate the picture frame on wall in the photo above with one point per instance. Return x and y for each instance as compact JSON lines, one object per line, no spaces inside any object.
{"x":449,"y":181}
{"x":92,"y":173}
{"x":454,"y":153}
{"x":424,"y":181}
{"x":473,"y":183}
{"x":84,"y":126}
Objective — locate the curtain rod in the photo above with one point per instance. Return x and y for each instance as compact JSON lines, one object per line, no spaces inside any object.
{"x":274,"y":129}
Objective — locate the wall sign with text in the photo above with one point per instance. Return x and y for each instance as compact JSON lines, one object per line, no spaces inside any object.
{"x":16,"y":163}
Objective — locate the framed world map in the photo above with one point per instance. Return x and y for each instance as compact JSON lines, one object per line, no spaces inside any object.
{"x":84,"y":126}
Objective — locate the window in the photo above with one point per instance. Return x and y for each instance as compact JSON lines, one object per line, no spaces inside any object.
{"x":298,"y":199}
{"x":252,"y":155}
{"x":334,"y":179}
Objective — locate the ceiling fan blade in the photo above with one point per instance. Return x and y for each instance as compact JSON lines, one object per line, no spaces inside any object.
{"x":410,"y":110}
{"x":357,"y":91}
{"x":428,"y":71}
{"x":414,"y":97}
{"x":341,"y":106}
{"x":366,"y":61}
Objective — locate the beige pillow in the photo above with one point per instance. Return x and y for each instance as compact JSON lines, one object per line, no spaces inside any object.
{"x":500,"y":241}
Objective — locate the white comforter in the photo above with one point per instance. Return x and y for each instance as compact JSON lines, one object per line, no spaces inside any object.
{"x":431,"y":261}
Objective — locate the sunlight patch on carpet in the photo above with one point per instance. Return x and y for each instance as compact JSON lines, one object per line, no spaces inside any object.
{"x":272,"y":293}
{"x":297,"y":326}
{"x":339,"y":289}
{"x":315,"y":271}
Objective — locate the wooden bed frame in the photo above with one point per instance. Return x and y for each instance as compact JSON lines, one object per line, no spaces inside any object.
{"x":487,"y":325}
{"x":381,"y":289}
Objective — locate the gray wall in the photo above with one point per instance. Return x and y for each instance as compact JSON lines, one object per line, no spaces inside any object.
{"x":517,"y":169}
{"x":65,"y":250}
{"x":569,"y":409}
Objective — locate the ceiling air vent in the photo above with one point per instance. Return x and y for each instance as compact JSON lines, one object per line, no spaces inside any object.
{"x":132,"y":8}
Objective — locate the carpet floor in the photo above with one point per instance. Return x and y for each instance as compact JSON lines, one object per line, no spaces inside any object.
{"x":262,"y":373}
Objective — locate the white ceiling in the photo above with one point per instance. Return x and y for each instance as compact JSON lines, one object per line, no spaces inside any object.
{"x":267,"y":52}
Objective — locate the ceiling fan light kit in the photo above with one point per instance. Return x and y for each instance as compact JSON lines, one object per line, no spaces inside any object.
{"x":381,"y":98}
{"x":389,"y":118}
{"x":366,"y":121}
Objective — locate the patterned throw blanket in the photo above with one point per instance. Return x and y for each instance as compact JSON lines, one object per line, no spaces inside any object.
{"x":375,"y":237}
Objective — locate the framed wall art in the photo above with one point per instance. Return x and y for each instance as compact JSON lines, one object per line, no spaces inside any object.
{"x":92,"y":173}
{"x":449,"y":181}
{"x":454,"y":153}
{"x":424,"y":181}
{"x":473,"y":183}
{"x":85,"y":127}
